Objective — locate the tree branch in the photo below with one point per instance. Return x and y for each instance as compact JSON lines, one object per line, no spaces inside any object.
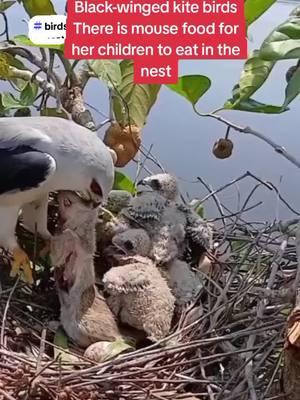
{"x":70,"y":98}
{"x":247,"y":130}
{"x":30,"y":76}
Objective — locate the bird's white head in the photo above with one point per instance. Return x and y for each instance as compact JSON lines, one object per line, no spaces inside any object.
{"x":165,"y":184}
{"x":97,"y":169}
{"x":100,"y":180}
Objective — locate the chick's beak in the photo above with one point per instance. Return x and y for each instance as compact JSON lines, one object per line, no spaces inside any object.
{"x":141,"y":183}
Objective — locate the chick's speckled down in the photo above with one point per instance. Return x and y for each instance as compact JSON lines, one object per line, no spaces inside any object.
{"x":179,"y":228}
{"x":140,"y":296}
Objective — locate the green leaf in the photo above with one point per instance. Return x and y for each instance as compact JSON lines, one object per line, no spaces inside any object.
{"x":53,"y":112}
{"x":191,"y":87}
{"x":283,"y":42}
{"x":61,"y":341}
{"x":252,"y":105}
{"x":238,"y":245}
{"x":3,"y":111}
{"x":253,"y":9}
{"x":28,"y":94}
{"x":123,"y":182}
{"x":15,"y":62}
{"x":27,"y":97}
{"x":132,"y":102}
{"x":292,"y":89}
{"x":9,"y":101}
{"x":254,"y":74}
{"x":106,"y":70}
{"x":38,"y":7}
{"x":5,"y":5}
{"x":25,"y":41}
{"x":200,"y":210}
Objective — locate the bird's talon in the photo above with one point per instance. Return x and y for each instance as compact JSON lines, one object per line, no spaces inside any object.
{"x":21,"y":265}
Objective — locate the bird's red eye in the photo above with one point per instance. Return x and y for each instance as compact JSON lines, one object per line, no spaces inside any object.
{"x":95,"y":188}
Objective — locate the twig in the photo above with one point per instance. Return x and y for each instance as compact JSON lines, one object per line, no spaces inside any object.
{"x":247,"y":130}
{"x":41,"y":351}
{"x":6,"y":395}
{"x":5,"y":31}
{"x":6,"y":311}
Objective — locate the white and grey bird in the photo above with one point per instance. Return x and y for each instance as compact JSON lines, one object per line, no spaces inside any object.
{"x":39,"y":155}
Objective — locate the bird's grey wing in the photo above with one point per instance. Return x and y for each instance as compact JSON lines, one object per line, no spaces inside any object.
{"x":16,"y":133}
{"x":198,"y":231}
{"x":126,"y":279}
{"x":22,"y":168}
{"x":199,"y":235}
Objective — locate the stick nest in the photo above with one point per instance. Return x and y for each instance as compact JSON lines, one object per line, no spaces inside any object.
{"x":227,"y":345}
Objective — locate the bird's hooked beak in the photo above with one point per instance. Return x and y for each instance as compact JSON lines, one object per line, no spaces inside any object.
{"x":142,"y":182}
{"x":153,"y":184}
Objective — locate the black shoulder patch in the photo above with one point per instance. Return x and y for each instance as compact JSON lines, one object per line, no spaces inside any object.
{"x":23,"y":168}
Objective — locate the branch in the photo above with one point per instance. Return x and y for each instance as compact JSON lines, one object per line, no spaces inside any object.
{"x":73,"y":101}
{"x":5,"y":31}
{"x":71,"y":98}
{"x":69,"y":69}
{"x":33,"y":59}
{"x":30,"y":76}
{"x":247,"y":130}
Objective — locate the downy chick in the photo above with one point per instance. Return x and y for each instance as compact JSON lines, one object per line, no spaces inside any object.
{"x":182,"y":281}
{"x":198,"y":233}
{"x":138,"y":294}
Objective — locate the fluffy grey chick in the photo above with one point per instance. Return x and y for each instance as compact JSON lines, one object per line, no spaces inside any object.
{"x":85,"y":315}
{"x":162,"y":221}
{"x":164,"y":184}
{"x":184,"y":284}
{"x":198,"y":233}
{"x":136,"y":288}
{"x":132,"y":242}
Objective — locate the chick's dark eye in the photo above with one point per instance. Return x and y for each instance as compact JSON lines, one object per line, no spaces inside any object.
{"x":155,"y":184}
{"x":128,"y":245}
{"x":95,"y":188}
